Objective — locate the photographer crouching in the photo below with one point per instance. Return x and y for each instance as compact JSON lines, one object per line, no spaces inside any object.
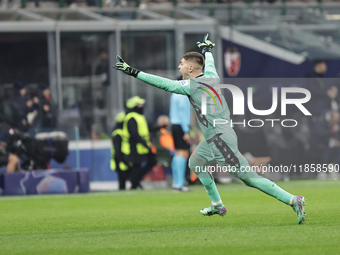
{"x":35,"y":153}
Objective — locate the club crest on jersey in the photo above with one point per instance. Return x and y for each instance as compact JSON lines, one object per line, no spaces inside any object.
{"x":232,"y":61}
{"x":184,"y":83}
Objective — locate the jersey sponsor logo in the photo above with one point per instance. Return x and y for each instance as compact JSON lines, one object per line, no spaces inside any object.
{"x":184,"y":83}
{"x":213,"y":90}
{"x":232,"y":61}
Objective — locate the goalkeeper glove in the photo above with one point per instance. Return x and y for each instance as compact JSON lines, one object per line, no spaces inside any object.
{"x":206,"y":45}
{"x":123,"y":66}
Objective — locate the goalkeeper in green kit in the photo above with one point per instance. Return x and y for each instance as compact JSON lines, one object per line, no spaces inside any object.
{"x":220,"y":143}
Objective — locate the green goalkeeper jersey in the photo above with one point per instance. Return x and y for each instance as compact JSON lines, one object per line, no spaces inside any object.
{"x":202,"y":87}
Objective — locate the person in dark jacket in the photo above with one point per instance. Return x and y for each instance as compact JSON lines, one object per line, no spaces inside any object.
{"x":22,"y":104}
{"x":48,"y":112}
{"x":7,"y":157}
{"x":323,"y":99}
{"x":328,"y":137}
{"x":322,"y":93}
{"x":118,"y":160}
{"x":137,"y":146}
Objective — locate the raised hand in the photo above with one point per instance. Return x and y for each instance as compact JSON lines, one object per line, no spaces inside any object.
{"x":206,"y":45}
{"x":124,"y":67}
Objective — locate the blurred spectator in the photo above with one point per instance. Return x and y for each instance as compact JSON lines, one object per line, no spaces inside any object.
{"x":163,"y":141}
{"x":24,"y":106}
{"x":323,"y":95}
{"x":323,"y":100}
{"x":137,"y":147}
{"x":7,"y":158}
{"x":48,"y":112}
{"x":102,"y":67}
{"x":118,"y":2}
{"x":118,"y":160}
{"x":328,"y":134}
{"x":100,"y":93}
{"x":91,"y":2}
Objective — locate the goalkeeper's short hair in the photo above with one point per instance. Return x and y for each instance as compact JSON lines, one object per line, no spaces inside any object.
{"x":194,"y":56}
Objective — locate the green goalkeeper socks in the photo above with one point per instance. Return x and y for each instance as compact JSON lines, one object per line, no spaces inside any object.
{"x":207,"y":180}
{"x":210,"y":186}
{"x":269,"y":188}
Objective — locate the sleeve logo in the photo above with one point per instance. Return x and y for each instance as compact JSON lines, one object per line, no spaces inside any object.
{"x":184,"y":83}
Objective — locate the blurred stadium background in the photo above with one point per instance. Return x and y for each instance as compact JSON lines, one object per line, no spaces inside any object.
{"x":71,"y":45}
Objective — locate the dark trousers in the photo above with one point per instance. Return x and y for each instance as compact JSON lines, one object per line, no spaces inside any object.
{"x":123,"y":176}
{"x":139,"y":169}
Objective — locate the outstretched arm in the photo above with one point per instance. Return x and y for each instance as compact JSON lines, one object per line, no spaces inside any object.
{"x":178,"y":87}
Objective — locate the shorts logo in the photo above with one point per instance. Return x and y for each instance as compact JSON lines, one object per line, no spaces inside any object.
{"x":184,"y":83}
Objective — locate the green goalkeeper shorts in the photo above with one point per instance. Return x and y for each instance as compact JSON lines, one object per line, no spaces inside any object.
{"x":223,"y":149}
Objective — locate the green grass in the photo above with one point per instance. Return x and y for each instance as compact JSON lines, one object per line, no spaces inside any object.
{"x":163,"y":222}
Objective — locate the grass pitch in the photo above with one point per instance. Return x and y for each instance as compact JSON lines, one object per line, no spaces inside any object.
{"x":163,"y":222}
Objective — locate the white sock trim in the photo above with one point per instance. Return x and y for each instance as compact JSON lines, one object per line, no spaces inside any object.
{"x":217,"y":203}
{"x":291,"y":200}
